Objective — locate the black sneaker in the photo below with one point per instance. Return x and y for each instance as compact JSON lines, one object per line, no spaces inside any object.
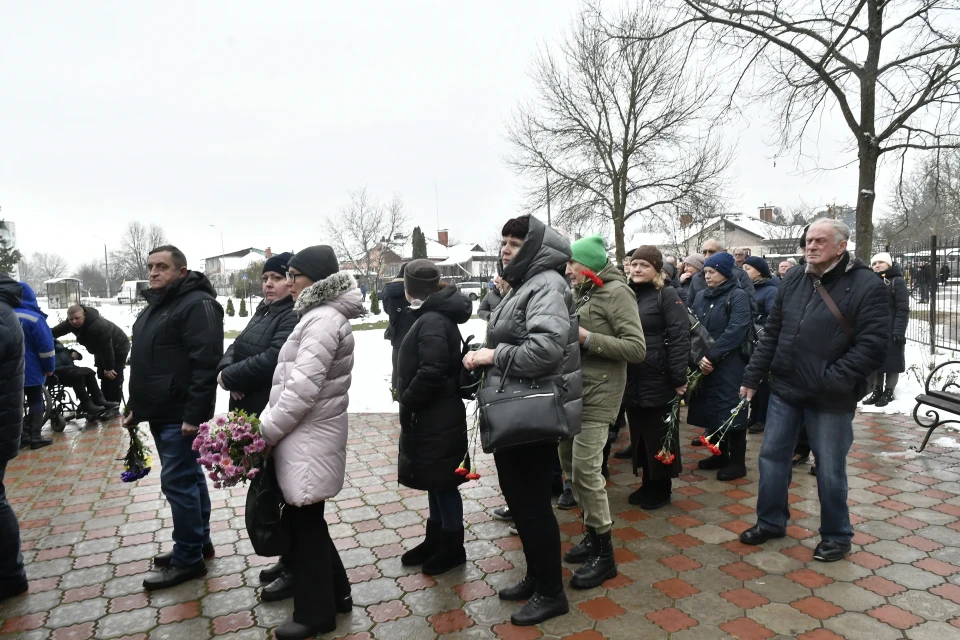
{"x":831,"y":551}
{"x":566,"y":499}
{"x":522,"y":590}
{"x":171,"y":576}
{"x":502,"y":513}
{"x":279,"y":589}
{"x":539,"y":609}
{"x":163,"y":560}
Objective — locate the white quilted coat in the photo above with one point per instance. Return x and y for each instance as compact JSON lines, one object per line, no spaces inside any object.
{"x":306,"y":418}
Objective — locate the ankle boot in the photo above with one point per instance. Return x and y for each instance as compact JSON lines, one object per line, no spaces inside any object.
{"x":885,"y":398}
{"x":720,"y":461}
{"x":874,"y":396}
{"x":450,"y":555}
{"x":581,"y":552}
{"x":96,"y":394}
{"x":430,"y":545}
{"x":37,"y":441}
{"x":540,"y":608}
{"x":84,"y":405}
{"x":600,"y":566}
{"x":736,"y":466}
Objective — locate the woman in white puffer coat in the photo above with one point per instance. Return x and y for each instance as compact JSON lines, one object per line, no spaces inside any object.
{"x":306,"y":424}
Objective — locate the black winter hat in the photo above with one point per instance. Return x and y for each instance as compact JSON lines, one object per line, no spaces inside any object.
{"x":317,"y":262}
{"x":421,"y":278}
{"x":278,"y":263}
{"x":759,"y":264}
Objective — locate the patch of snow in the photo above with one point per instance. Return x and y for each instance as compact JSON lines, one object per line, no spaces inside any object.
{"x":906,"y":454}
{"x":908,"y":388}
{"x":946,"y":442}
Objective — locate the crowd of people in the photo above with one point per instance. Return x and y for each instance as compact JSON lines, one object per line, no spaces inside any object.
{"x":619,"y":343}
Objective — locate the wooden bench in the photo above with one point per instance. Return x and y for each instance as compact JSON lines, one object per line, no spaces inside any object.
{"x":939,"y":400}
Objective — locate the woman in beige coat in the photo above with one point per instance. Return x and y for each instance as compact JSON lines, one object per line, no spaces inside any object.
{"x":306,"y":424}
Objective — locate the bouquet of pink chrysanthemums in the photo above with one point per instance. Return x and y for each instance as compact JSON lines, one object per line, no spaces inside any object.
{"x":231,"y":447}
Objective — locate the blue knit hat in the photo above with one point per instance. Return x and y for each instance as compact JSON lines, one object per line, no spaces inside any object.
{"x":759,"y":264}
{"x":722,"y":262}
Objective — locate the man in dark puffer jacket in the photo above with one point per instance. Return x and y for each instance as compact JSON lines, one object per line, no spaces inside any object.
{"x":395,"y":303}
{"x":817,"y":376}
{"x":246,"y":369}
{"x":13,"y":578}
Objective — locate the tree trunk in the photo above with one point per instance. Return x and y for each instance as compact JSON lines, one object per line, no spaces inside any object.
{"x":866,"y":195}
{"x":618,"y":238}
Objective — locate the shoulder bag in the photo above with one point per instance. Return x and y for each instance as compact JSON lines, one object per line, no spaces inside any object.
{"x":521,"y":411}
{"x":827,"y":300}
{"x":268,"y":528}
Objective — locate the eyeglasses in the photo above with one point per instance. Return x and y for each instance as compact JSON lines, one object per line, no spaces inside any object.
{"x":293,"y":276}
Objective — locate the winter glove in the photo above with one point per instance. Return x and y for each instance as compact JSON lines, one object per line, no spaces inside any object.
{"x":899,"y":340}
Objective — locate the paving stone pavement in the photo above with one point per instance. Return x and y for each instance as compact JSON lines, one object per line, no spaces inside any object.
{"x":88,"y":540}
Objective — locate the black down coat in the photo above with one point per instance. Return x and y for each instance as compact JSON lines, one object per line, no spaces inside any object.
{"x":395,"y":303}
{"x":249,"y":362}
{"x":809,"y":358}
{"x":11,"y":368}
{"x":899,"y":300}
{"x":433,"y":419}
{"x":177,"y":344}
{"x":719,"y":392}
{"x":666,"y":329}
{"x":105,"y":340}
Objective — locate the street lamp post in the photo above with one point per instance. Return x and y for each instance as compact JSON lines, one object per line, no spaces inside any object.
{"x":223,"y":267}
{"x":106,"y":264}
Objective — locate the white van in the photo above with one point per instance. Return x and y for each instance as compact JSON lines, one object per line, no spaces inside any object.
{"x":129,"y":290}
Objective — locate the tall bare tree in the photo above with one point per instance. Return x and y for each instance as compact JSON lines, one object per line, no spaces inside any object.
{"x":365,"y":232}
{"x":926,"y":201}
{"x":135,"y":246}
{"x":49,"y":265}
{"x":621,"y":126}
{"x":92,"y":276}
{"x":890,"y":69}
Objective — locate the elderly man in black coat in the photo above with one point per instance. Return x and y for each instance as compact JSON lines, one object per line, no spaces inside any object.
{"x":827,"y":332}
{"x":109,"y":346}
{"x":13,"y":578}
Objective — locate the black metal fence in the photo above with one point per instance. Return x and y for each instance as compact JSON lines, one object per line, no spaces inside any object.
{"x":931,"y":269}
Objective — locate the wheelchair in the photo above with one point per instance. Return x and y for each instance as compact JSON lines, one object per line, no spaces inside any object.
{"x":60,"y":407}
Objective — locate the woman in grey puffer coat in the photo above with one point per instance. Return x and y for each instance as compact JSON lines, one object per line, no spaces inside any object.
{"x":535,"y":325}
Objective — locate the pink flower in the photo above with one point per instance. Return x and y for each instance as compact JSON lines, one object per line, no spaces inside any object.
{"x":252,"y":473}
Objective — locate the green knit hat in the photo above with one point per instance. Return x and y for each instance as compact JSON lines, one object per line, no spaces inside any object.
{"x":591,"y":252}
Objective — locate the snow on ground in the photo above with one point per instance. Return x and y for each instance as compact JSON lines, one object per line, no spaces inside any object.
{"x":911,"y":382}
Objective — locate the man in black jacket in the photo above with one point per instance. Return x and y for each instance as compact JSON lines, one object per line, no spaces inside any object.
{"x":395,"y":303}
{"x":491,"y":300}
{"x":13,"y":578}
{"x":177,"y":343}
{"x":109,"y":346}
{"x":698,"y":282}
{"x":818,"y":360}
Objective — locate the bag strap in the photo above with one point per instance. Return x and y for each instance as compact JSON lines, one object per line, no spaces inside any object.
{"x":827,"y":300}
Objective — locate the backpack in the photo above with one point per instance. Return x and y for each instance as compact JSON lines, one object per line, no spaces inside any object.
{"x":754,"y":332}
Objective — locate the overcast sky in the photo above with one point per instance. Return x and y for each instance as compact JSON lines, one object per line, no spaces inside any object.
{"x":260,"y":118}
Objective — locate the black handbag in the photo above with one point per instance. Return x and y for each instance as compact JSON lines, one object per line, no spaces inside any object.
{"x":268,"y":529}
{"x":522,"y":411}
{"x":700,"y":341}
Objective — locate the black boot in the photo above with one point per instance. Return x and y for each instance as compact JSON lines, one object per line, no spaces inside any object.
{"x":540,"y":608}
{"x":96,"y":394}
{"x":581,"y":552}
{"x":600,"y":566}
{"x":657,"y":495}
{"x":736,"y":466}
{"x":522,"y":590}
{"x":271,"y":573}
{"x":84,"y":405}
{"x":874,"y":396}
{"x":37,"y":441}
{"x":279,"y":589}
{"x":720,"y":461}
{"x":450,"y":555}
{"x":430,"y":545}
{"x":885,"y":398}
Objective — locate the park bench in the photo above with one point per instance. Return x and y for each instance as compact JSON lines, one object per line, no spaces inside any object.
{"x":942,"y":399}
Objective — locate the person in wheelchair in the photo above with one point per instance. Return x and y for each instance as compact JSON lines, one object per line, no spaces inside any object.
{"x":83,"y":381}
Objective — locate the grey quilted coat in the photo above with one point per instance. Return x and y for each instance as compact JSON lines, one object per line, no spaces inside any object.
{"x":536,"y":323}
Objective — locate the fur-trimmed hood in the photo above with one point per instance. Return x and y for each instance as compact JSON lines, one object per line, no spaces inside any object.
{"x":338,"y":290}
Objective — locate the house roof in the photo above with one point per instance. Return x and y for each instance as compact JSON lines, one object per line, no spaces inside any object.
{"x":461,"y":254}
{"x":241,"y":253}
{"x":760,"y":228}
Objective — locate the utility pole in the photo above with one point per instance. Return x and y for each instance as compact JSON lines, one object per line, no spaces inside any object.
{"x":223,"y":267}
{"x":436,"y":201}
{"x":549,"y":217}
{"x":106,"y":268}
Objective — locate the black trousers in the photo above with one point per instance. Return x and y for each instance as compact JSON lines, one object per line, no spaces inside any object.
{"x":113,"y":389}
{"x":319,"y":579}
{"x":526,"y":473}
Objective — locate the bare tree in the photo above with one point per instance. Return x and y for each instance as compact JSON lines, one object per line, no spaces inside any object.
{"x":49,"y":265}
{"x":137,"y":242}
{"x":622,"y":126}
{"x":92,"y":276}
{"x":365,"y":233}
{"x":891,"y":70}
{"x":927,"y":201}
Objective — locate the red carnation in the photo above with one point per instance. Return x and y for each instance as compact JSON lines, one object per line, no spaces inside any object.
{"x":594,"y":277}
{"x":473,"y":476}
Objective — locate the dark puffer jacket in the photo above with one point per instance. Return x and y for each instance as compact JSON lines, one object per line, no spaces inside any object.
{"x":666,"y":329}
{"x":698,"y":284}
{"x":899,"y":300}
{"x":810,"y":359}
{"x":536,"y":323}
{"x":719,"y":392}
{"x":395,"y":303}
{"x":11,"y":368}
{"x":491,"y":300}
{"x":249,"y":362}
{"x":177,"y":344}
{"x":105,"y":340}
{"x":766,"y":292}
{"x":433,"y":420}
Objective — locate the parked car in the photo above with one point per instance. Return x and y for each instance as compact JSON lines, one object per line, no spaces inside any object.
{"x":130,"y":290}
{"x":471,"y":289}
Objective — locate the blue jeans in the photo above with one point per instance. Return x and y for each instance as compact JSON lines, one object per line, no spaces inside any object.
{"x":12,"y":573}
{"x":184,"y":485}
{"x":830,"y":435}
{"x":447,"y":507}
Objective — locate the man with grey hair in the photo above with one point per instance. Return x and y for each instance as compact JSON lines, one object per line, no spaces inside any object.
{"x":827,"y":332}
{"x":698,"y":282}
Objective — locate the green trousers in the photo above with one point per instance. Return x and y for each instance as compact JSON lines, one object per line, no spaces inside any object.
{"x":581,"y":459}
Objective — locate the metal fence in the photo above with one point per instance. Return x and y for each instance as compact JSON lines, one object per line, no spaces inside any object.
{"x":931,"y":269}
